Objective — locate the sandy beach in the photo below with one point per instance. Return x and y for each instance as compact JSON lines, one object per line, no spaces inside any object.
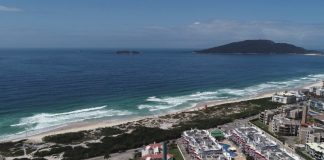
{"x":75,"y":127}
{"x":80,"y":126}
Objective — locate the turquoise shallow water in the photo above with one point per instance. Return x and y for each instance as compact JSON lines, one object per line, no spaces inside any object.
{"x":46,"y":88}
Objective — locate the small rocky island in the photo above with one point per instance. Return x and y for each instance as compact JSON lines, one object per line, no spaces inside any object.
{"x":258,"y":47}
{"x":128,"y":52}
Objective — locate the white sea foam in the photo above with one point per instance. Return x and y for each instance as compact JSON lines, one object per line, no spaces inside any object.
{"x":162,"y":103}
{"x":46,"y":120}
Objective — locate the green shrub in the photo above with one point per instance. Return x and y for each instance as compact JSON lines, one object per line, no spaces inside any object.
{"x":302,"y":154}
{"x":53,"y":150}
{"x":109,"y":131}
{"x":65,"y":138}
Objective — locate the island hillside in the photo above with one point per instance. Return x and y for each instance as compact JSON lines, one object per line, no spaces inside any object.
{"x":258,"y":46}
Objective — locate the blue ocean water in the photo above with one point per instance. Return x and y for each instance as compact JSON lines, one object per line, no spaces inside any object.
{"x":44,"y":88}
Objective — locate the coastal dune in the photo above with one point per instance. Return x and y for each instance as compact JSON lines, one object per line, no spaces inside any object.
{"x":87,"y":125}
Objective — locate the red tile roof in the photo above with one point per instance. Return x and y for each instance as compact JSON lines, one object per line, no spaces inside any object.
{"x":154,"y":145}
{"x":156,"y":156}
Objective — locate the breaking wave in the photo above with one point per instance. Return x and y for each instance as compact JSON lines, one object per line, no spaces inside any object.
{"x":162,"y":103}
{"x":43,"y":121}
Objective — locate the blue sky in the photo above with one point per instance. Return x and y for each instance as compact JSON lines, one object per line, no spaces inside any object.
{"x":158,"y":24}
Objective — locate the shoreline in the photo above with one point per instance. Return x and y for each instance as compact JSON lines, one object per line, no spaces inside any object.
{"x":91,"y":125}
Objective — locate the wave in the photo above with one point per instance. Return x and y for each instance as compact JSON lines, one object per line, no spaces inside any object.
{"x":43,"y":121}
{"x":162,"y":103}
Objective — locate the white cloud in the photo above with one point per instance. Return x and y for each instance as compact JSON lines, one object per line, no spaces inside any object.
{"x":196,"y":23}
{"x":255,"y":29}
{"x":204,"y":33}
{"x":9,"y":9}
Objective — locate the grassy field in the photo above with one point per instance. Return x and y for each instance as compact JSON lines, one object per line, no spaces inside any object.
{"x":175,"y":152}
{"x":261,"y":125}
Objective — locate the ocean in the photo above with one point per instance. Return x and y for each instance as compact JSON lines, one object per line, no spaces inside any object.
{"x":42,"y":89}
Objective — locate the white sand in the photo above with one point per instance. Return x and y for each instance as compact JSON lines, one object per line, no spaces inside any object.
{"x":81,"y":126}
{"x":75,"y":127}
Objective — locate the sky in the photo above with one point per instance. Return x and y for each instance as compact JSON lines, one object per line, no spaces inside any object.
{"x":158,"y":24}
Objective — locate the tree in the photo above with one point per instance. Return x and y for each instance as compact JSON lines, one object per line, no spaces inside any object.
{"x":107,"y":155}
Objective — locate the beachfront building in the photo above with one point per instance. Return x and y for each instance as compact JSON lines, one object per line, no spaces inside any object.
{"x":284,"y":126}
{"x":316,"y":150}
{"x":257,"y":145}
{"x":154,"y":152}
{"x":312,"y":89}
{"x":320,"y":92}
{"x":283,"y":98}
{"x":201,"y":145}
{"x":316,"y":104}
{"x":289,"y":97}
{"x":266,"y":116}
{"x":300,"y":96}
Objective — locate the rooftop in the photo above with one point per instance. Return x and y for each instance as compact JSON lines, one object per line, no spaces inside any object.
{"x":262,"y":144}
{"x":154,"y":145}
{"x":202,"y":139}
{"x":285,"y":121}
{"x":289,"y":93}
{"x":217,"y":133}
{"x":318,"y":147}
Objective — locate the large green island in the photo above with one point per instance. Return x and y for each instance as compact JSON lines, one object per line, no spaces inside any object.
{"x":258,"y":47}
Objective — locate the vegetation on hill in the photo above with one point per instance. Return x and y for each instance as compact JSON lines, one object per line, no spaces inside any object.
{"x":257,"y":46}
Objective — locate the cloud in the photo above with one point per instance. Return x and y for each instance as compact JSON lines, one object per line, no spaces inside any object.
{"x":9,"y":9}
{"x":257,"y":29}
{"x":204,"y":33}
{"x":197,"y":34}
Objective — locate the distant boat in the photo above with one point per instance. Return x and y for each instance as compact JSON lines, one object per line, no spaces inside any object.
{"x":128,"y":52}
